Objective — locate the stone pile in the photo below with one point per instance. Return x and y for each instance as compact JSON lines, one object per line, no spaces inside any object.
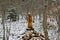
{"x":31,"y":34}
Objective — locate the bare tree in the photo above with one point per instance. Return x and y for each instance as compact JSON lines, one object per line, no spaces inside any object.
{"x":58,"y":14}
{"x":3,"y":22}
{"x":45,"y":19}
{"x":3,"y":6}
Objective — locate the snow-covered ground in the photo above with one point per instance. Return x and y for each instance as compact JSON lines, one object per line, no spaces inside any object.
{"x":19,"y":27}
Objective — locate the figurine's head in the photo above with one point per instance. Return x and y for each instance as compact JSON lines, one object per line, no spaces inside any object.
{"x":29,"y":14}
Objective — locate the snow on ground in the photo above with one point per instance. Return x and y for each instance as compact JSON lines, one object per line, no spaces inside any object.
{"x":19,"y":27}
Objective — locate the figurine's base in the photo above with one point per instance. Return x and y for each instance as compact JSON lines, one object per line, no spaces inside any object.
{"x":30,"y":29}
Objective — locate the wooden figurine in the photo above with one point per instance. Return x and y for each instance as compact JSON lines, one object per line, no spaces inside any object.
{"x":29,"y":20}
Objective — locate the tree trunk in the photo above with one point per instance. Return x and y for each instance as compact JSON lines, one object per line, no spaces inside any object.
{"x":58,"y":15}
{"x":3,"y":22}
{"x":45,"y":20}
{"x":58,"y":23}
{"x":45,"y":25}
{"x":3,"y":17}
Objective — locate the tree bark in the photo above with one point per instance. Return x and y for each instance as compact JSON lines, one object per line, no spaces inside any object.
{"x":3,"y":17}
{"x":45,"y":19}
{"x":58,"y":23}
{"x":3,"y":22}
{"x":58,"y":16}
{"x":45,"y":25}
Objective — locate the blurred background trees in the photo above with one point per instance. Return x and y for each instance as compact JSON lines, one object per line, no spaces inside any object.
{"x":34,"y":6}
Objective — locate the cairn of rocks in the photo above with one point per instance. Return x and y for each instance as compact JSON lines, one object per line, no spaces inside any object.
{"x":31,"y":34}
